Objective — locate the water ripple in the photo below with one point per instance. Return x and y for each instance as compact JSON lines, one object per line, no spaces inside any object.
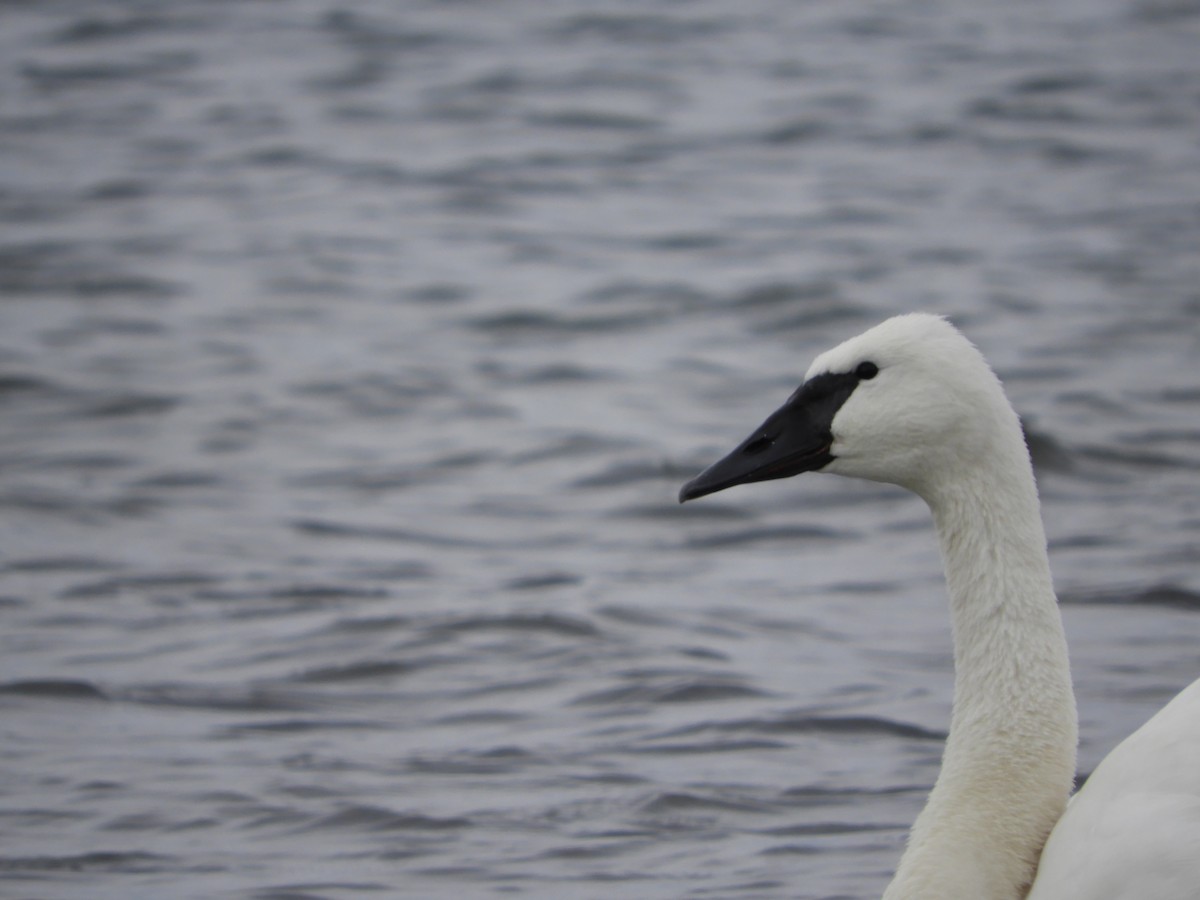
{"x":351,"y":357}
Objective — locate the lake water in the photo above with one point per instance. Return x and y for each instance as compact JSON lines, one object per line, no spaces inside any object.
{"x":351,"y":358}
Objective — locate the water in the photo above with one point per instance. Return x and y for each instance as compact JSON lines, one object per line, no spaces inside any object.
{"x":351,"y":356}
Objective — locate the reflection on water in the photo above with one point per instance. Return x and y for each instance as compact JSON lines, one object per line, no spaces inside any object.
{"x":351,"y":358}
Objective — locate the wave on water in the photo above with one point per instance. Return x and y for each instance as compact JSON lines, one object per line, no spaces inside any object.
{"x":351,"y":360}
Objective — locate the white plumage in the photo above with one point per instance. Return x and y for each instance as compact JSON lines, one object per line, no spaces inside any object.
{"x":912,"y":402}
{"x":1133,"y":830}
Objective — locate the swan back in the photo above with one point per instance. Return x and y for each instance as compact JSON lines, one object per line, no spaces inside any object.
{"x":1133,"y":830}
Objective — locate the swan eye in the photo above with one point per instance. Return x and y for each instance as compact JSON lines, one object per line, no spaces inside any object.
{"x":866,"y":371}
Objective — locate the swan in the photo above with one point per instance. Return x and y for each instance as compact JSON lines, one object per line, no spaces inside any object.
{"x":912,"y":402}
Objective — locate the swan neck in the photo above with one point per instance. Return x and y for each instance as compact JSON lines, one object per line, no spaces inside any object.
{"x":1009,"y":760}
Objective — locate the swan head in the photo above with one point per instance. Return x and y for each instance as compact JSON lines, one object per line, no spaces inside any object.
{"x":909,"y":402}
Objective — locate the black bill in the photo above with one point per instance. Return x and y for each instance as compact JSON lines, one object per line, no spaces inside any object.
{"x":796,"y":438}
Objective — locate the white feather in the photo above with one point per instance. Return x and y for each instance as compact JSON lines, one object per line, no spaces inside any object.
{"x":936,"y":421}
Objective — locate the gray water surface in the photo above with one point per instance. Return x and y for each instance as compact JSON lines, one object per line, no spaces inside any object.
{"x":351,"y":358}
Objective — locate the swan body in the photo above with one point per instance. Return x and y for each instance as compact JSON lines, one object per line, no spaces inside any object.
{"x":1133,"y":830}
{"x":913,"y":403}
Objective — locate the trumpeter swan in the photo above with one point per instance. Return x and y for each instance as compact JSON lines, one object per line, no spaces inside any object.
{"x":912,"y":402}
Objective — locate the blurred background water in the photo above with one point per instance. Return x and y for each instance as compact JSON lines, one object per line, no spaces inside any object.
{"x":351,"y":357}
